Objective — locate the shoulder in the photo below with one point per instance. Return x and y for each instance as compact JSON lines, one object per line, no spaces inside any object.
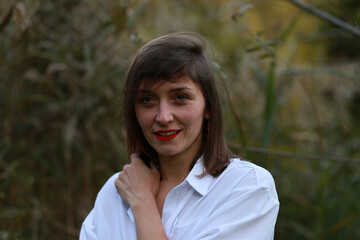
{"x":109,"y":219}
{"x":249,"y":169}
{"x":247,"y":175}
{"x":109,"y":185}
{"x":108,"y":203}
{"x":108,"y":191}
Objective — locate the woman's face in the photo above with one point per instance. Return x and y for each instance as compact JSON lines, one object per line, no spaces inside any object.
{"x":171,"y":116}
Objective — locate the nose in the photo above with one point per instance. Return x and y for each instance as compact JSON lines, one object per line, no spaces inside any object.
{"x":164,"y":114}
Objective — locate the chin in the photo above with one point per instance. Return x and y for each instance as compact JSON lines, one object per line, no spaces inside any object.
{"x":168,"y":152}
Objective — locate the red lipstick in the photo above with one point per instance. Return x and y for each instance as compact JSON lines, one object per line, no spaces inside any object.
{"x":166,"y":135}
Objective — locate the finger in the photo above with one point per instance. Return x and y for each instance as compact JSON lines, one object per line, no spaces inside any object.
{"x":123,"y":177}
{"x":121,"y":183}
{"x":121,"y":189}
{"x":118,"y":185}
{"x":125,"y":167}
{"x":153,"y":167}
{"x":134,"y":157}
{"x":137,"y":161}
{"x":127,"y":175}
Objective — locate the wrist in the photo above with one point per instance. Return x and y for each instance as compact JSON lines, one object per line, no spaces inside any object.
{"x":145,"y":202}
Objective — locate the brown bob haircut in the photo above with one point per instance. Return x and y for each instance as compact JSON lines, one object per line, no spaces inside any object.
{"x":169,"y":58}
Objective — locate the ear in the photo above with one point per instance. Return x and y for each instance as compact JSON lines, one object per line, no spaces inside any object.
{"x":207,"y":115}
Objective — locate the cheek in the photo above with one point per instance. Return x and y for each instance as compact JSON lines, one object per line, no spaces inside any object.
{"x":193,"y":117}
{"x":143,"y":118}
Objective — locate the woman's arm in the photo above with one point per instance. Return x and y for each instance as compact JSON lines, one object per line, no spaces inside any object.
{"x":138,"y":185}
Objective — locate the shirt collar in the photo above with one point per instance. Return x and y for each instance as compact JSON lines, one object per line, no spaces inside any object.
{"x":200,"y":184}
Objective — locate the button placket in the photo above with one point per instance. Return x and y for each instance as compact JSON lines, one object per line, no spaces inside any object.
{"x":178,"y":205}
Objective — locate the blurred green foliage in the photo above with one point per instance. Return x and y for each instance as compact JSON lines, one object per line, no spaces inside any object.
{"x":342,"y":45}
{"x":291,"y":103}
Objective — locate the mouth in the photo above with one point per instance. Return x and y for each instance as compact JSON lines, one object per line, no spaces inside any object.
{"x":166,"y":135}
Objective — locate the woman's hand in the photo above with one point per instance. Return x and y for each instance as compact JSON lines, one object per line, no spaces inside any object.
{"x":137,"y":183}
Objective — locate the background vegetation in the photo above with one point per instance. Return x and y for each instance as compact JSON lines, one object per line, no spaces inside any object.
{"x":289,"y":82}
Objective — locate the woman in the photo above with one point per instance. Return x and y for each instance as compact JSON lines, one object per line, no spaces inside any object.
{"x":182,"y":182}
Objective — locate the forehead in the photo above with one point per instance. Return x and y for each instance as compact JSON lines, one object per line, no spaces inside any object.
{"x":181,"y":82}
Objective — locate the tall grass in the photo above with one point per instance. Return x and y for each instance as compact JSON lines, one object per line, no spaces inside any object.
{"x":62,"y":66}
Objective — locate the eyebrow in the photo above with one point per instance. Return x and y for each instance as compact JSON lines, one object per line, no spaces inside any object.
{"x":179,"y":89}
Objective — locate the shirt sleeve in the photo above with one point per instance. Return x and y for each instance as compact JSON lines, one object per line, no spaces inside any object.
{"x":95,"y":225}
{"x":88,"y":228}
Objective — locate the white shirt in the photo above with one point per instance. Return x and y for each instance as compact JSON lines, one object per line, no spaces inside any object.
{"x":241,"y":203}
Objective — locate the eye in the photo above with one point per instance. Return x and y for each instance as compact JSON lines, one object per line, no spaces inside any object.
{"x":147,"y":99}
{"x":181,"y":97}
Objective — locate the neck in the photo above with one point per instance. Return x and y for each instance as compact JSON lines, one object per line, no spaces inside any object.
{"x":174,"y":170}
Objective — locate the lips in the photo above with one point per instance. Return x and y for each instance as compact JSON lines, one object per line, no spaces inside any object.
{"x":166,"y":135}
